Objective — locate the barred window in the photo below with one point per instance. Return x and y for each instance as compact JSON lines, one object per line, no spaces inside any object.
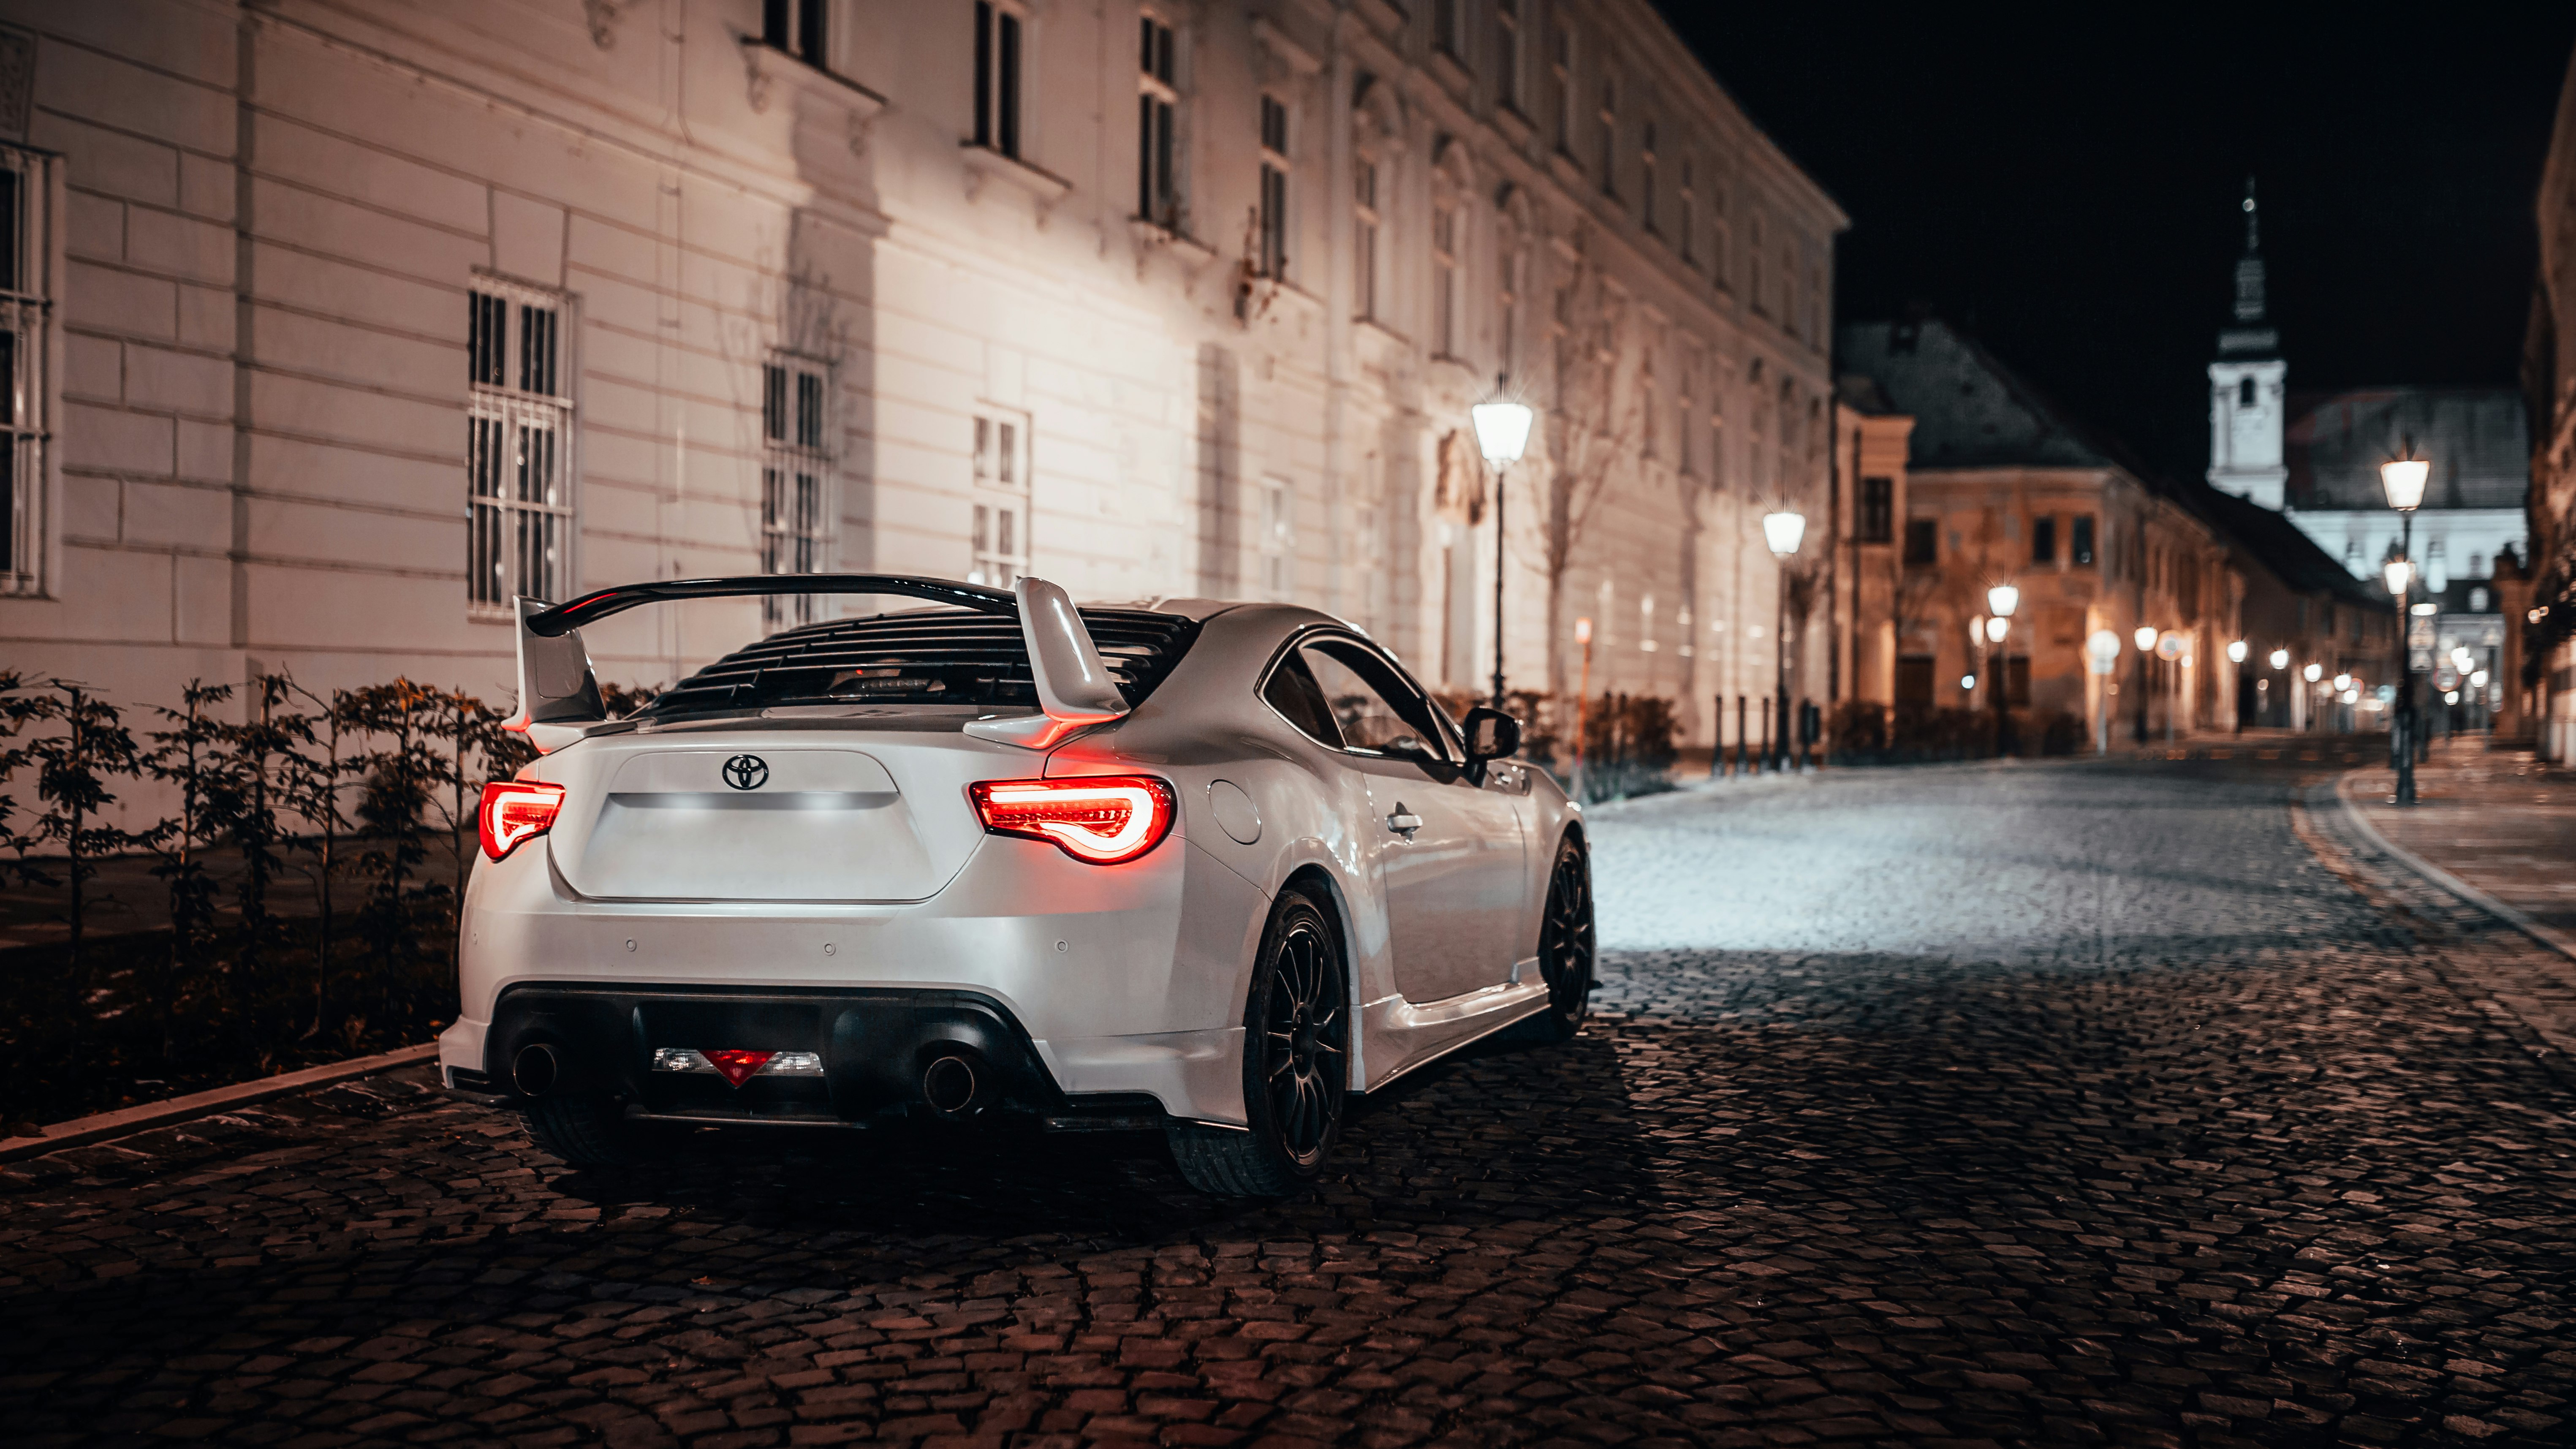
{"x":795,"y":477}
{"x":1274,"y":188}
{"x":998,"y":534}
{"x":518,"y":451}
{"x":26,"y":389}
{"x":1158,"y":147}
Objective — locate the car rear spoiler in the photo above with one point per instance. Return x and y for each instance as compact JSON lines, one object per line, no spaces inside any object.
{"x":559,"y":694}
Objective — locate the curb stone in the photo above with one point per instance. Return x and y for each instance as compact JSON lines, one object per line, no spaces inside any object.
{"x":126,"y":1121}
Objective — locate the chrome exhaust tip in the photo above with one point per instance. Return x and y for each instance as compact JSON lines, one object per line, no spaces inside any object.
{"x":536,"y":1070}
{"x":950,"y":1085}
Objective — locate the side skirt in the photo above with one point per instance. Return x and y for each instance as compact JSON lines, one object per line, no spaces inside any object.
{"x":1415,"y":1035}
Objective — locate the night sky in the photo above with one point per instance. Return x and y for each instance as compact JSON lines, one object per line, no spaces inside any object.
{"x":2069,"y":188}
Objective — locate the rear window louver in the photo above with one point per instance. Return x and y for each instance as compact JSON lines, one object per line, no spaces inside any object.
{"x":921,"y":656}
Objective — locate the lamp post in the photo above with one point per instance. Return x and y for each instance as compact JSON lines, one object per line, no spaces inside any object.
{"x":2236,"y":652}
{"x":2145,"y":639}
{"x":1782,"y":531}
{"x":1502,"y":431}
{"x":2102,"y":655}
{"x":2404,"y":479}
{"x":2001,"y":600}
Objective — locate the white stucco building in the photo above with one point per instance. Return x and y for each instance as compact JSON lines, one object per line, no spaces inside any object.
{"x":337,"y":325}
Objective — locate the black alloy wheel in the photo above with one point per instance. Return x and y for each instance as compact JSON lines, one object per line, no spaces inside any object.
{"x":1565,"y":945}
{"x":1296,"y":1065}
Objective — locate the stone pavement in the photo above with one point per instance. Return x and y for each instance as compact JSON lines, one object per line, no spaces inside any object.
{"x":2500,"y":820}
{"x":2076,"y":1104}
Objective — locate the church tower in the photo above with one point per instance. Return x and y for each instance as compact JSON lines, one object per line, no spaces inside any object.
{"x":2247,"y":386}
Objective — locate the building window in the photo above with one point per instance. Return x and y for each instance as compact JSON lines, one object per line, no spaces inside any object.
{"x":1877,"y":510}
{"x":1278,"y":540}
{"x":999,"y":527}
{"x":1649,"y":416}
{"x":2043,"y":540}
{"x":1444,"y":279}
{"x":1922,"y":541}
{"x":1816,"y":304}
{"x":1158,"y":188}
{"x":1507,"y":301}
{"x":1273,"y":218}
{"x":1646,"y":178}
{"x":1685,"y":453}
{"x":1448,"y":28}
{"x":1507,"y":52}
{"x":1364,"y":234}
{"x":997,"y":77}
{"x":26,"y":387}
{"x":795,"y":474}
{"x":796,"y":27}
{"x":1560,"y":65}
{"x":1608,"y":120}
{"x":2245,"y":392}
{"x":1788,"y":285}
{"x":1688,"y":203}
{"x":2079,"y":543}
{"x":1753,"y":262}
{"x":518,"y":449}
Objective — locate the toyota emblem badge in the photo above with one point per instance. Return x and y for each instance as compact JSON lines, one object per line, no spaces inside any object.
{"x":746,"y":772}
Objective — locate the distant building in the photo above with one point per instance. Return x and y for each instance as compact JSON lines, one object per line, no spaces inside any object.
{"x":2315,"y":456}
{"x":2002,"y":486}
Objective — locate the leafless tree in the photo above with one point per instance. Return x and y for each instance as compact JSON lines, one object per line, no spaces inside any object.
{"x":1597,"y":418}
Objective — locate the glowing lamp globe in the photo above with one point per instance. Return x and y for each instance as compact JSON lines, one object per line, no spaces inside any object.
{"x":2002,"y":599}
{"x":2404,"y":478}
{"x":2236,"y":651}
{"x":2145,"y":638}
{"x":1782,"y":530}
{"x":2314,"y":672}
{"x":2280,"y":658}
{"x":1996,"y":628}
{"x":2103,"y":645}
{"x":2398,"y":573}
{"x":1502,"y":430}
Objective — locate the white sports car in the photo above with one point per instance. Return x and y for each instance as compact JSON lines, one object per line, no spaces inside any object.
{"x":1201,"y":866}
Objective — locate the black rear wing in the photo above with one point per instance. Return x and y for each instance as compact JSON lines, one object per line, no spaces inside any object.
{"x":559,"y":694}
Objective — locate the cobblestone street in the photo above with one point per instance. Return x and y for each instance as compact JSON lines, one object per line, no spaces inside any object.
{"x":2051,"y":1105}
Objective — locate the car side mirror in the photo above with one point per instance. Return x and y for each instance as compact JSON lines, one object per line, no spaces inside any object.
{"x":1491,"y":734}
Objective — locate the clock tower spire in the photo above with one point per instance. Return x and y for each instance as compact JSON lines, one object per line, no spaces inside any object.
{"x":2247,"y":384}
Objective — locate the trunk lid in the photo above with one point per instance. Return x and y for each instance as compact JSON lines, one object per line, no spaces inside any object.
{"x":750,"y":814}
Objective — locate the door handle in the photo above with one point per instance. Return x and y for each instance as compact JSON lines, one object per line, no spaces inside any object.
{"x":1402,"y":823}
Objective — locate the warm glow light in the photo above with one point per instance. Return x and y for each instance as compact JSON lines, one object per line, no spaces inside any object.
{"x":2280,"y":658}
{"x":2450,"y":696}
{"x":2236,"y":651}
{"x":2169,"y":645}
{"x":2314,"y":672}
{"x":2352,"y":696}
{"x":1102,"y":819}
{"x":2342,"y":683}
{"x":1502,"y":430}
{"x":515,"y":812}
{"x":2398,"y":573}
{"x":2003,"y":599}
{"x":1782,"y":530}
{"x":1583,"y":631}
{"x":2145,"y":638}
{"x":2479,"y":679}
{"x":2404,"y":479}
{"x":1996,"y":629}
{"x":2104,"y":645}
{"x":1968,"y":682}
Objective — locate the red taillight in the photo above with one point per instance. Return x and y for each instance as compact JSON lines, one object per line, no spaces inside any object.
{"x":1103,"y":819}
{"x":515,"y":812}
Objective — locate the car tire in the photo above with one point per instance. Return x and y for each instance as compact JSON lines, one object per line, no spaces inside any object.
{"x":1565,"y":948}
{"x":1296,"y":1065}
{"x":586,"y":1130}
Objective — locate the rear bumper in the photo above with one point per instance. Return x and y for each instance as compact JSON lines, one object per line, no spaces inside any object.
{"x":875,"y":1046}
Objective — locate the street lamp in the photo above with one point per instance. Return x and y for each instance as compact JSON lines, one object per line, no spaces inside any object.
{"x":2404,"y":479}
{"x":2001,"y":600}
{"x":2145,"y":638}
{"x":1502,"y":432}
{"x":2236,"y":651}
{"x":2280,"y":658}
{"x":2102,"y":654}
{"x":1782,"y":531}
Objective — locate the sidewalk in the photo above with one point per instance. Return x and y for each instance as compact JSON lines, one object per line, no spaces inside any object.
{"x":2500,"y":820}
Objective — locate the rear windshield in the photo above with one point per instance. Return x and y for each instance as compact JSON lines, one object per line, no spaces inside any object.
{"x":920,"y":656}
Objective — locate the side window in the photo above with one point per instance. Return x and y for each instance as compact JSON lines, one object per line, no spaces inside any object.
{"x":1376,"y":710}
{"x":1293,"y":692}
